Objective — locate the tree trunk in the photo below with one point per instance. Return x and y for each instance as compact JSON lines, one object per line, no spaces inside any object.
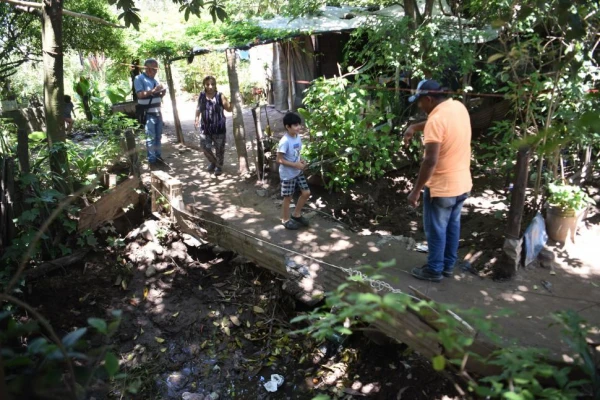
{"x":239,"y":132}
{"x":52,"y":49}
{"x":508,"y":263}
{"x":176,"y":121}
{"x":260,"y":157}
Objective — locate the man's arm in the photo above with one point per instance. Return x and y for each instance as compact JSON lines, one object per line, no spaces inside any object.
{"x":410,"y":131}
{"x":432,"y":154}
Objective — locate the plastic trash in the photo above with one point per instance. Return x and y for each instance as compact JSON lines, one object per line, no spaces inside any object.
{"x":535,"y":238}
{"x":274,"y":384}
{"x":422,"y":248}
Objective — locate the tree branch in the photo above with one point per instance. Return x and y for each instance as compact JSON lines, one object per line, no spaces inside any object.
{"x":91,"y":18}
{"x":65,"y":12}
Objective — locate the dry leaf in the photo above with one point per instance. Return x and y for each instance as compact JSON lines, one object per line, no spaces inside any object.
{"x":124,"y":284}
{"x":258,"y":310}
{"x":220,"y":284}
{"x":226,"y":330}
{"x":235,"y":320}
{"x":146,"y":292}
{"x":552,"y":273}
{"x":248,"y":324}
{"x":199,"y":287}
{"x":163,"y":349}
{"x":221,"y":293}
{"x":176,"y":314}
{"x":169,"y":272}
{"x":159,"y":340}
{"x":118,"y":280}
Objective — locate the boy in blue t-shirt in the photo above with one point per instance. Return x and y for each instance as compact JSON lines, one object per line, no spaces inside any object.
{"x":291,"y":168}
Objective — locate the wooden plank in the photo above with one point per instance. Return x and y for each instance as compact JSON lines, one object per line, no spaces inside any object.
{"x":110,"y":206}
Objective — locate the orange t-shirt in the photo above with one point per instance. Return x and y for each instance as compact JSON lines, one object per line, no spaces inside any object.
{"x":449,"y":124}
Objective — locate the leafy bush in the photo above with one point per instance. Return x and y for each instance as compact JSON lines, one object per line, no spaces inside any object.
{"x":349,"y":132}
{"x":568,"y":197}
{"x":35,"y":361}
{"x":526,"y":373}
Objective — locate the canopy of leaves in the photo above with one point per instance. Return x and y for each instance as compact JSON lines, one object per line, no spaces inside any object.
{"x":87,"y":36}
{"x":21,"y":40}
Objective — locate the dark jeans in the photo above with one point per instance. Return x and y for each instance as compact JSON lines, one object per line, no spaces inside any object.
{"x":441,"y":222}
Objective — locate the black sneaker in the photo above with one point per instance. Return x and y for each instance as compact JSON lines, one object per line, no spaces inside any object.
{"x":425,"y":274}
{"x":211,"y":167}
{"x":448,"y":273}
{"x":291,"y":225}
{"x":218,"y":171}
{"x":302,"y":220}
{"x":159,"y":159}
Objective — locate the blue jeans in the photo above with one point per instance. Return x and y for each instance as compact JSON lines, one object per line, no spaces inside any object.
{"x":441,"y":222}
{"x":154,"y":127}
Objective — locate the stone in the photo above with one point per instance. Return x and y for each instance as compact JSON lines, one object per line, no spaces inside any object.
{"x":192,"y":396}
{"x":218,"y":250}
{"x":239,"y":260}
{"x":176,"y":381}
{"x":546,"y":255}
{"x":191,"y":241}
{"x":149,"y":230}
{"x":262,"y":192}
{"x":133,"y":234}
{"x":150,"y":271}
{"x":213,"y":396}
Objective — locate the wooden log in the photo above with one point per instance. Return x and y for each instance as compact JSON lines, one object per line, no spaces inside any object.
{"x":50,"y":266}
{"x":260,"y":157}
{"x":110,"y":206}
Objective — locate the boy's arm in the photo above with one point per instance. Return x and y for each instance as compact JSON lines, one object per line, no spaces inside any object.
{"x":298,"y":165}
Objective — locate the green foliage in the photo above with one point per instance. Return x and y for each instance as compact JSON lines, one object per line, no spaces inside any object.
{"x":349,"y":130}
{"x":8,"y":137}
{"x":526,"y":373}
{"x":35,"y":369}
{"x":568,"y":197}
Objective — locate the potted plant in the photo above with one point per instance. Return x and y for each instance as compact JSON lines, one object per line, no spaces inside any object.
{"x":566,"y":206}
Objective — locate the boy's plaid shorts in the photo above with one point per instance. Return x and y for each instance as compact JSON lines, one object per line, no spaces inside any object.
{"x":288,"y":187}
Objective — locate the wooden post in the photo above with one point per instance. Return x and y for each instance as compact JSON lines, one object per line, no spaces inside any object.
{"x":23,"y":150}
{"x":176,"y":121}
{"x":511,"y":258}
{"x":130,"y":149}
{"x":259,"y":142}
{"x":7,"y":195}
{"x":239,"y":132}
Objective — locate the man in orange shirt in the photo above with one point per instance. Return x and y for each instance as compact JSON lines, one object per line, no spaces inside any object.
{"x":444,"y":177}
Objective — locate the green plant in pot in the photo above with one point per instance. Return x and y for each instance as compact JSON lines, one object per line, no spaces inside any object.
{"x":566,"y":207}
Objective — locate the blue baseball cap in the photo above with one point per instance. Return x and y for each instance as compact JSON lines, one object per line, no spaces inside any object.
{"x":426,"y":87}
